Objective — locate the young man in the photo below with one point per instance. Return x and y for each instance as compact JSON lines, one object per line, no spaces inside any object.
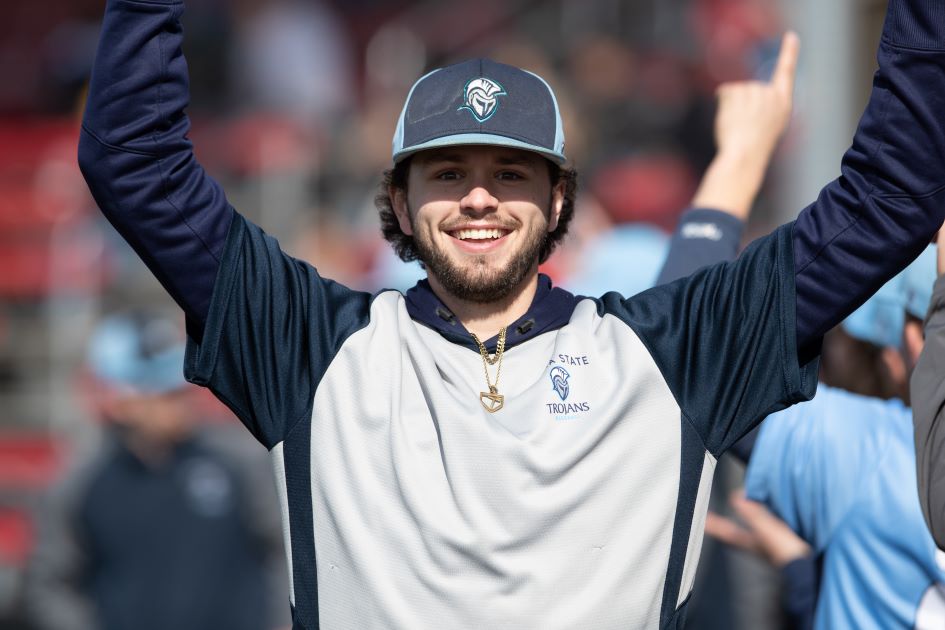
{"x":486,"y":450}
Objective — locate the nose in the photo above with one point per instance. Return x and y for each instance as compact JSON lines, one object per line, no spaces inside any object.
{"x":478,"y":200}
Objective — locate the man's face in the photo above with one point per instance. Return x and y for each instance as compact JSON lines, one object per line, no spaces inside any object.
{"x":161,"y":418}
{"x":478,"y":216}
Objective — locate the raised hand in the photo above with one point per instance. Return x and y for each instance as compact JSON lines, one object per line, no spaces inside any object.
{"x":751,"y":117}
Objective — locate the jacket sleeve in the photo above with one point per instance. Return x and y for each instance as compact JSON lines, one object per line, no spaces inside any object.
{"x":263,"y":326}
{"x":928,"y":409}
{"x":703,"y":237}
{"x":890,"y":198}
{"x":137,"y":159}
{"x":723,"y":340}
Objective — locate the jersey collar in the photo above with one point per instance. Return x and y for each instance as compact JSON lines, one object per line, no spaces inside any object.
{"x":551,"y":308}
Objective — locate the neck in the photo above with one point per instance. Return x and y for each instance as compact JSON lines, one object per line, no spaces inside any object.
{"x":486,"y":319}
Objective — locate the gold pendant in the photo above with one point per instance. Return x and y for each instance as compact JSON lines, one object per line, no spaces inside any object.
{"x":494,"y":398}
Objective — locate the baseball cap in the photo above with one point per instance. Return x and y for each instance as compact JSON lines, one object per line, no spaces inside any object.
{"x":480,"y":102}
{"x":881,"y":318}
{"x":142,"y":352}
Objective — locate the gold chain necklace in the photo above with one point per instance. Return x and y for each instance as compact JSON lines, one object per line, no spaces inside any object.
{"x":492,"y":400}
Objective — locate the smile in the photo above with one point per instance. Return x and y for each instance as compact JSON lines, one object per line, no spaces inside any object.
{"x":479,"y":234}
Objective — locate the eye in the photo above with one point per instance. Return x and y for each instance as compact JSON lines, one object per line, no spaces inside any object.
{"x":510,"y":176}
{"x":447,"y":175}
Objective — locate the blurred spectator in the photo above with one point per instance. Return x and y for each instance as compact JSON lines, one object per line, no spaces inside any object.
{"x":158,"y":525}
{"x":864,"y":354}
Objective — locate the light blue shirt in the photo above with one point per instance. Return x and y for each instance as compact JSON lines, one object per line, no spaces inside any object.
{"x":840,"y":470}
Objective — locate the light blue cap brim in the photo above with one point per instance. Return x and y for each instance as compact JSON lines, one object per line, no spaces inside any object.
{"x":480,"y":139}
{"x":881,"y":318}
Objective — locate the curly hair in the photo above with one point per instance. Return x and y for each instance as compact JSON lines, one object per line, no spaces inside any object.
{"x":403,"y":244}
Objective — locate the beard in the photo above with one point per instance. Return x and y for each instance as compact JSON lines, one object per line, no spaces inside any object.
{"x":477,"y":281}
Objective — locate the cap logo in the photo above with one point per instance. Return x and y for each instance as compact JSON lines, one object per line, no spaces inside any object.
{"x":481,"y":98}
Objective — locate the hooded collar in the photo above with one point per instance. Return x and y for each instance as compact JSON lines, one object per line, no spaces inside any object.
{"x":551,"y":308}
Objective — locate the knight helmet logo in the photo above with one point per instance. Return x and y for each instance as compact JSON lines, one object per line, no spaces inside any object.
{"x":481,"y":98}
{"x":559,"y":381}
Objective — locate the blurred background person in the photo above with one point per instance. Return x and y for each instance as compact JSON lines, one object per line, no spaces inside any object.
{"x":159,"y":523}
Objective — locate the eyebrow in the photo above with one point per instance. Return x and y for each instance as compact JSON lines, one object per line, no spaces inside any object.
{"x":437,"y":156}
{"x":521,"y":160}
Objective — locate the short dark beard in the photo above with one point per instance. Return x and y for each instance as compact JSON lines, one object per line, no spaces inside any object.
{"x":474,"y":287}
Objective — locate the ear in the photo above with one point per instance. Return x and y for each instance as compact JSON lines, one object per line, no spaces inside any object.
{"x":895,"y":367}
{"x":398,"y":198}
{"x":912,"y":340}
{"x":557,"y":204}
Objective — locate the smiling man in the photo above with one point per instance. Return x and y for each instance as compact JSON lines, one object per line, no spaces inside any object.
{"x":480,"y":221}
{"x":440,"y":463}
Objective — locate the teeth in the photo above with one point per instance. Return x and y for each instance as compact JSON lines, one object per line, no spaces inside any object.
{"x":478,"y":235}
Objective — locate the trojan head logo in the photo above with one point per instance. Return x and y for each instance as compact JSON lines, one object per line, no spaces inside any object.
{"x":559,"y":381}
{"x":481,"y":98}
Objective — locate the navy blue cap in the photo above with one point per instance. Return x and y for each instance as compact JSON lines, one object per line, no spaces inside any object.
{"x":480,"y":102}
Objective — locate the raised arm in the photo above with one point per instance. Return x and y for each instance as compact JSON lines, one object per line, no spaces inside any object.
{"x":137,"y":159}
{"x":750,"y":118}
{"x":263,"y":326}
{"x":927,"y":390}
{"x":890,"y":198}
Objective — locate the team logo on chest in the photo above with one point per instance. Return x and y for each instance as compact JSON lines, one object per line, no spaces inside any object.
{"x":559,"y":381}
{"x":481,"y":98}
{"x":561,"y":385}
